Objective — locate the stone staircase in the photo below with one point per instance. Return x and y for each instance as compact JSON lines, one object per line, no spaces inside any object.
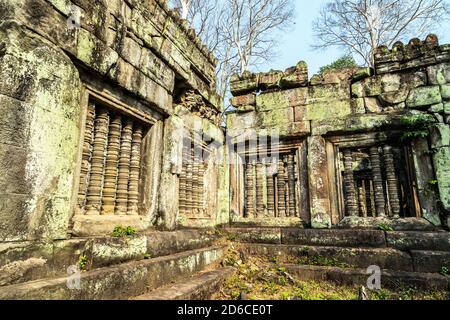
{"x":130,"y":267}
{"x":406,"y":258}
{"x":186,"y":264}
{"x":199,"y":287}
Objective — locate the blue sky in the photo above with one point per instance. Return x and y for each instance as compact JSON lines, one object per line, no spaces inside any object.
{"x":295,"y":44}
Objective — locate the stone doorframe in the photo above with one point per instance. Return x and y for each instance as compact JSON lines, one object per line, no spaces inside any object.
{"x":150,"y":166}
{"x":249,"y":153}
{"x":340,"y":207}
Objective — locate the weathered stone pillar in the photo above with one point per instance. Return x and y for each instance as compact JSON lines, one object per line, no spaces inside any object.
{"x":349,"y":185}
{"x":250,"y":188}
{"x":124,"y":168}
{"x":440,"y":142}
{"x":87,"y":154}
{"x":259,"y":190}
{"x":40,"y":137}
{"x":111,"y":170}
{"x":362,"y":199}
{"x":370,"y":205}
{"x":189,"y":180}
{"x":392,"y":181}
{"x":281,"y":188}
{"x":423,"y":167}
{"x":94,"y":192}
{"x":135,"y":168}
{"x":291,"y":183}
{"x":171,"y":169}
{"x":380,"y":202}
{"x":183,"y":182}
{"x":318,"y":183}
{"x":270,"y":190}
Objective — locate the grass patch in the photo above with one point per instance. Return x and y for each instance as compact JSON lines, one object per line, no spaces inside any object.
{"x":260,"y":278}
{"x":121,"y":232}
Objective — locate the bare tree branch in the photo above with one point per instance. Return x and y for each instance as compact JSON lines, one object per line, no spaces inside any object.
{"x":240,"y":33}
{"x":360,"y":26}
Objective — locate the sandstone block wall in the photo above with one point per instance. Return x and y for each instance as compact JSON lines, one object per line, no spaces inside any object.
{"x":353,"y":108}
{"x":54,"y":56}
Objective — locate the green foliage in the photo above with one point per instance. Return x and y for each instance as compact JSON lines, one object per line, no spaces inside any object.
{"x":417,"y":126}
{"x":82,"y":263}
{"x":345,"y":62}
{"x":406,"y":293}
{"x":380,"y":295}
{"x":274,"y":259}
{"x":285,"y":295}
{"x":445,"y":271}
{"x":322,"y":261}
{"x":385,"y":227}
{"x":259,"y":279}
{"x":121,"y":232}
{"x":231,"y":237}
{"x":433,"y":183}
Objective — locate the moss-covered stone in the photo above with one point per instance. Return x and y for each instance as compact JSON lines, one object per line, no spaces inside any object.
{"x":447,"y":107}
{"x":424,"y":96}
{"x":437,"y":108}
{"x":445,"y":91}
{"x":439,"y":74}
{"x":440,"y":136}
{"x":441,"y":160}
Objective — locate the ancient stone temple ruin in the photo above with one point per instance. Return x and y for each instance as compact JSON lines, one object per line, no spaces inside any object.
{"x":341,"y":155}
{"x":117,"y":178}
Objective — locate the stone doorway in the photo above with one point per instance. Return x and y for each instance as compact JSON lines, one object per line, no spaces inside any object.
{"x":374,"y":178}
{"x":270,"y":184}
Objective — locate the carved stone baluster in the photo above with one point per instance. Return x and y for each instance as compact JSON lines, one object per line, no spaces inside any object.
{"x":94,"y":192}
{"x":182,"y":201}
{"x":195,"y":184}
{"x":368,"y":191}
{"x":380,"y":202}
{"x":87,"y":155}
{"x":124,"y":168}
{"x":270,"y":190}
{"x":189,"y":182}
{"x":281,"y":186}
{"x":250,"y":189}
{"x":392,"y":181}
{"x":135,"y":170}
{"x":349,"y":185}
{"x":111,"y":169}
{"x":201,"y":186}
{"x":291,"y":183}
{"x":286,"y":187}
{"x":259,"y":190}
{"x":362,"y":199}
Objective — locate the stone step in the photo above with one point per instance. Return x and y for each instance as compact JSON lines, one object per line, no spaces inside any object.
{"x":401,"y":240}
{"x":431,"y":261}
{"x":413,"y":240}
{"x":321,"y":237}
{"x":28,"y":261}
{"x":199,"y":287}
{"x":385,"y":258}
{"x":118,"y":282}
{"x":359,"y":277}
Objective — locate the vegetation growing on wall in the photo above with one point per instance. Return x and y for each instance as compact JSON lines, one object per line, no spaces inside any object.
{"x":345,"y":62}
{"x":121,"y":232}
{"x":416,"y":126}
